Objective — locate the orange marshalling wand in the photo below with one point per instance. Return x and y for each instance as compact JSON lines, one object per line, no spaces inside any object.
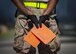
{"x":41,"y":34}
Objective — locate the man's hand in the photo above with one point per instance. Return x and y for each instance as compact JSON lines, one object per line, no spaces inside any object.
{"x":50,"y":7}
{"x":20,"y":5}
{"x":42,"y":19}
{"x":34,"y":19}
{"x":47,"y":11}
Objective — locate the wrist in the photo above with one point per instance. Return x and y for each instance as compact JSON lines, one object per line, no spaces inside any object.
{"x":30,"y":13}
{"x":45,"y":14}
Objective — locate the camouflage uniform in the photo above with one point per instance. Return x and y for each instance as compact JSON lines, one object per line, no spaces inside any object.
{"x":22,"y":27}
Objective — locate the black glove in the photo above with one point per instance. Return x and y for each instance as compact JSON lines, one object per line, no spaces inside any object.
{"x":42,"y":19}
{"x":34,"y":19}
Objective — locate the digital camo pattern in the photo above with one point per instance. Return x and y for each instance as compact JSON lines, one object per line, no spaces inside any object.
{"x":22,"y":27}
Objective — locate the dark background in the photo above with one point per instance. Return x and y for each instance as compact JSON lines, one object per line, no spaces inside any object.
{"x":66,"y":14}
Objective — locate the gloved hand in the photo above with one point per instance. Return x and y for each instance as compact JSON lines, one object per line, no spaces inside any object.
{"x":34,"y":19}
{"x":42,"y":19}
